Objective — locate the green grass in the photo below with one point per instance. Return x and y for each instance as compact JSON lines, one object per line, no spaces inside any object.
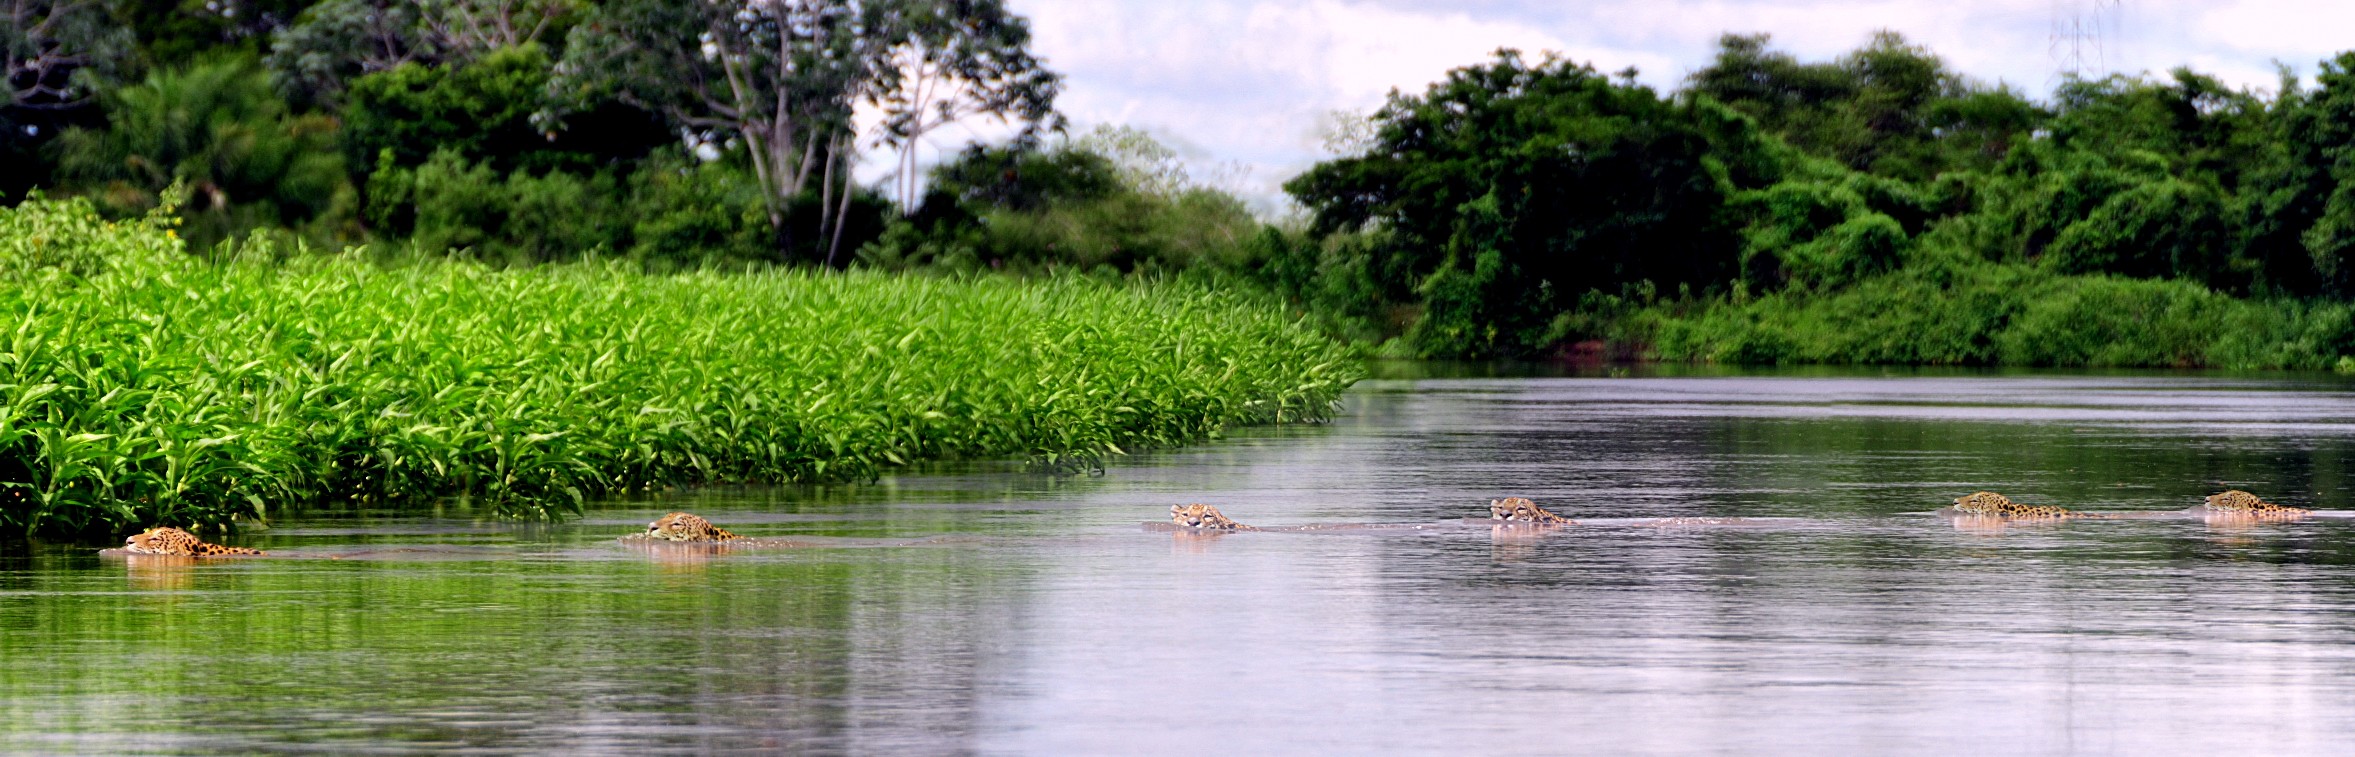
{"x":141,"y":386}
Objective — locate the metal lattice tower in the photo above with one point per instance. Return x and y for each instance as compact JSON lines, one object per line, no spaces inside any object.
{"x":2079,"y":31}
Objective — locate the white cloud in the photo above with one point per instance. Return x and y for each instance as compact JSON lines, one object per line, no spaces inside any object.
{"x":2277,"y":28}
{"x":1251,"y":80}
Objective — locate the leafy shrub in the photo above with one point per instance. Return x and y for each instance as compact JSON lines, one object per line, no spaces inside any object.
{"x":480,"y":111}
{"x":220,"y":129}
{"x":483,"y":110}
{"x":1065,"y":208}
{"x":672,"y":213}
{"x":47,"y":240}
{"x":1861,"y":246}
{"x":2166,"y":228}
{"x":450,"y":204}
{"x":1593,"y":185}
{"x":1958,"y":311}
{"x":689,"y":213}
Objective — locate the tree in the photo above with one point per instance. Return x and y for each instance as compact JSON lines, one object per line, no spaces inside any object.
{"x":1515,"y":187}
{"x":1143,"y":163}
{"x":1019,"y":179}
{"x":2299,"y":197}
{"x":47,"y":47}
{"x":1891,"y":107}
{"x":337,"y":41}
{"x":221,"y":129}
{"x":179,"y":32}
{"x":2195,"y":122}
{"x":957,"y":62}
{"x":51,"y":53}
{"x":779,"y":78}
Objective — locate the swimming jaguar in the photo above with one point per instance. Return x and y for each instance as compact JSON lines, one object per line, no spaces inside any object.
{"x":686,"y":527}
{"x":1991,"y":503}
{"x":1205,"y":517}
{"x":166,"y":540}
{"x":1521,"y":510}
{"x":2240,"y":502}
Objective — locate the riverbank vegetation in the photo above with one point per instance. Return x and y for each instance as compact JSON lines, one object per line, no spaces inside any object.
{"x":1877,"y":208}
{"x":412,"y":229}
{"x":145,"y":385}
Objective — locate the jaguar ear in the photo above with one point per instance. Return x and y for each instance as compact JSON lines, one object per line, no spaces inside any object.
{"x":1176,"y":509}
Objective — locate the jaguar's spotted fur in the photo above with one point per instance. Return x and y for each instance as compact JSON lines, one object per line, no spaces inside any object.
{"x":1205,"y":517}
{"x":165,"y":540}
{"x":686,"y":527}
{"x":2244,"y":503}
{"x":1521,"y":510}
{"x":1991,"y":503}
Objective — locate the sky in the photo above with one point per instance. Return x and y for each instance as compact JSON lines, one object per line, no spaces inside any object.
{"x":1247,"y":86}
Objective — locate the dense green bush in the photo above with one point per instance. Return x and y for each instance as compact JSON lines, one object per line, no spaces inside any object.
{"x":220,"y":129}
{"x":1962,"y":312}
{"x":1891,"y":108}
{"x":2166,"y":228}
{"x":1514,"y":187}
{"x":519,"y":217}
{"x":1064,"y":208}
{"x":671,"y":213}
{"x":142,"y":386}
{"x":480,"y":111}
{"x":687,"y":213}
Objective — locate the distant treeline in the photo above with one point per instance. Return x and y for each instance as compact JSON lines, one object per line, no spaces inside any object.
{"x":1878,"y":207}
{"x":1875,"y":208}
{"x":677,"y":131}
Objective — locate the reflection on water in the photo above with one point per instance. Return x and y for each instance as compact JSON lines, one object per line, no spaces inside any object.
{"x":1836,"y":615}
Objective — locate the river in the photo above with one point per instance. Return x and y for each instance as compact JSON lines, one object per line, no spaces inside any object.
{"x":981,"y":608}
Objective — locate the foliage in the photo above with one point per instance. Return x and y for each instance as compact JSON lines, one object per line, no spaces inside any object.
{"x":1017,"y":179}
{"x":1891,"y":108}
{"x":780,"y":80}
{"x":449,"y":204}
{"x":1070,"y":207}
{"x":459,"y":165}
{"x":669,"y":212}
{"x":173,"y":33}
{"x":482,"y":111}
{"x":53,"y":56}
{"x":1878,"y":207}
{"x":1523,"y":185}
{"x":220,"y":129}
{"x":690,"y":213}
{"x":1513,"y":209}
{"x":161,"y":389}
{"x":336,"y":41}
{"x":1978,"y":313}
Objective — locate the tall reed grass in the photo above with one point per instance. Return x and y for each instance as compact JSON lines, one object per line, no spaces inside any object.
{"x":141,"y":386}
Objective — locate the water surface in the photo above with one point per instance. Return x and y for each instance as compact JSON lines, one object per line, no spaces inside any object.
{"x":1037,"y":615}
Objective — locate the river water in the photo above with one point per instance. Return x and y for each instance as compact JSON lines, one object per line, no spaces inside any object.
{"x":986,"y":609}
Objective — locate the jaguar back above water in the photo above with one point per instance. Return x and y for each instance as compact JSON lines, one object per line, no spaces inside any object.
{"x":166,"y":540}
